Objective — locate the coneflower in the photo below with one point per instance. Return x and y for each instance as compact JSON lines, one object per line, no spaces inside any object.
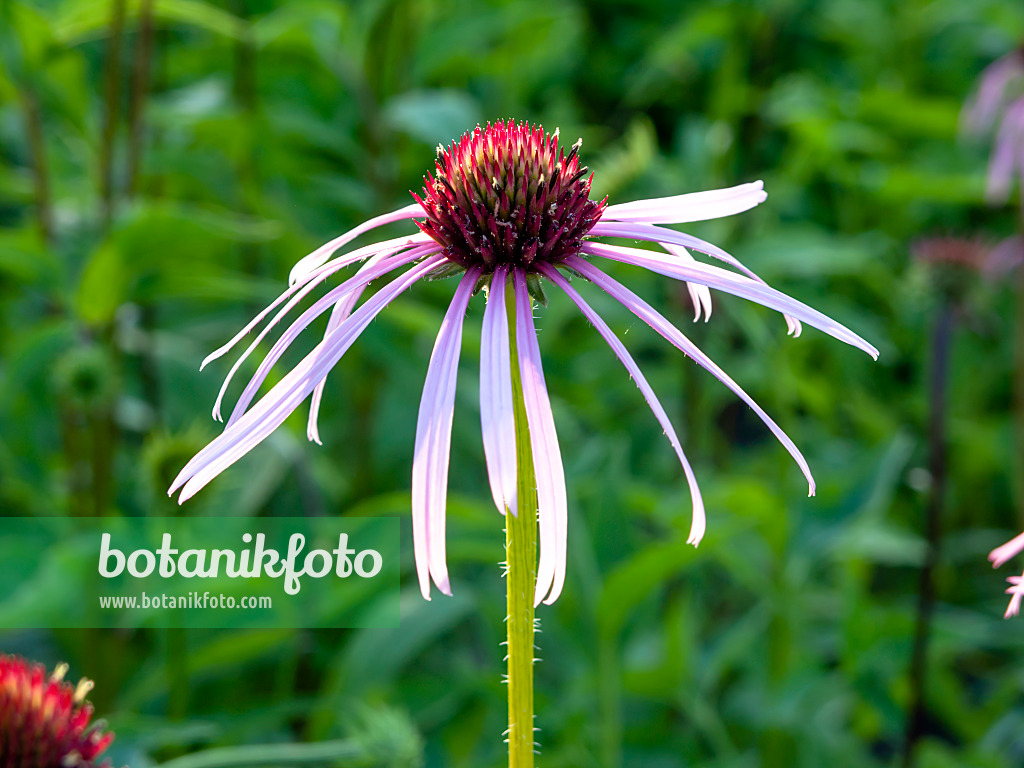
{"x":505,"y":209}
{"x":44,"y":721}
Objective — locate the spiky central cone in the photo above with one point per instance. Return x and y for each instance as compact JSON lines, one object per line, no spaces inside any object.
{"x":44,"y":722}
{"x":508,"y":195}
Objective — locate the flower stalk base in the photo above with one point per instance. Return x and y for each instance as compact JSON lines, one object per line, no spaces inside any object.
{"x":520,"y":580}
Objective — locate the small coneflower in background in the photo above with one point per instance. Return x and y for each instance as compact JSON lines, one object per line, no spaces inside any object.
{"x":506,"y":209}
{"x":44,"y":721}
{"x":955,"y":263}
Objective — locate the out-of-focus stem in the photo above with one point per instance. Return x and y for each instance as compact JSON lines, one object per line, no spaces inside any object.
{"x":177,"y":673}
{"x":149,"y":368}
{"x":520,"y":578}
{"x":139,"y":91}
{"x":40,"y":169}
{"x":609,"y":700}
{"x":938,"y":376}
{"x":111,"y":109}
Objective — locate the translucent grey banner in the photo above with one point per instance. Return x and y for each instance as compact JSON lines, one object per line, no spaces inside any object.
{"x":199,"y":572}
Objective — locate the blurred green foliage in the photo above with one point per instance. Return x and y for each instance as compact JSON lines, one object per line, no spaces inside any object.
{"x":164,"y":162}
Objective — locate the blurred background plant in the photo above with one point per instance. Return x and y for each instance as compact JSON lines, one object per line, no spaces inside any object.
{"x":164,"y":162}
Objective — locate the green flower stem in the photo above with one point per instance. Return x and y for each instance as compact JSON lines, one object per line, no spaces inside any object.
{"x":521,"y":577}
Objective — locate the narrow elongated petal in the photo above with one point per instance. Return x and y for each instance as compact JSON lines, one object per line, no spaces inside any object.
{"x":700,"y":295}
{"x":1016,"y":592}
{"x":552,"y":504}
{"x":307,"y":264}
{"x":1006,"y":154}
{"x":312,"y":278}
{"x":433,"y":443}
{"x":303,"y":321}
{"x":674,"y":336}
{"x":695,"y":206}
{"x":1010,"y":549}
{"x":698,"y":525}
{"x":667,"y":238}
{"x":982,"y":108}
{"x":677,"y":242}
{"x":664,"y":236}
{"x":273,"y":408}
{"x":497,"y":419}
{"x":729,"y":282}
{"x":342,"y":309}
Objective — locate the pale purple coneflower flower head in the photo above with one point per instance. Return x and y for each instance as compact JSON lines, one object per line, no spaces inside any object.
{"x":505,"y":208}
{"x":998,"y":104}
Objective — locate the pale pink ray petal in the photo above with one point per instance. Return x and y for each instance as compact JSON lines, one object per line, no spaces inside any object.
{"x":302,"y":322}
{"x":674,"y":336}
{"x":273,"y":408}
{"x":340,"y":311}
{"x":694,"y":206}
{"x":793,"y":326}
{"x":667,"y":238}
{"x":1004,"y":154}
{"x":1017,"y":591}
{"x":981,"y":109}
{"x":433,"y":442}
{"x":552,"y":504}
{"x":698,"y":525}
{"x":1010,"y":549}
{"x":497,"y":420}
{"x":700,"y":295}
{"x":307,"y":264}
{"x":348,"y":285}
{"x":730,"y":282}
{"x":312,"y":278}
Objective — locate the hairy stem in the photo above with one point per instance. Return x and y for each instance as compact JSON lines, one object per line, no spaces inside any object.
{"x":521,"y":578}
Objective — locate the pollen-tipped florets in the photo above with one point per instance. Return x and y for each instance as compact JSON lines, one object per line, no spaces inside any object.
{"x":44,"y":721}
{"x":507,"y":194}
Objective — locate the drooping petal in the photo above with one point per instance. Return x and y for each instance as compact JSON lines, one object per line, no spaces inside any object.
{"x":981,"y":109}
{"x":497,"y":419}
{"x":433,"y":443}
{"x":674,"y":336}
{"x":1008,"y":142}
{"x":694,"y":206}
{"x":342,"y":309}
{"x":667,"y":238}
{"x":698,"y":525}
{"x":1010,"y":549}
{"x":700,"y":295}
{"x":730,"y":282}
{"x":552,"y":504}
{"x":307,"y":264}
{"x":312,"y":278}
{"x":1016,"y":590}
{"x":302,"y":322}
{"x":239,"y":438}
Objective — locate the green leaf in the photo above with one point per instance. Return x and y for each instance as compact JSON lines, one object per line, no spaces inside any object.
{"x":433,"y":117}
{"x":104,"y":285}
{"x":81,"y":20}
